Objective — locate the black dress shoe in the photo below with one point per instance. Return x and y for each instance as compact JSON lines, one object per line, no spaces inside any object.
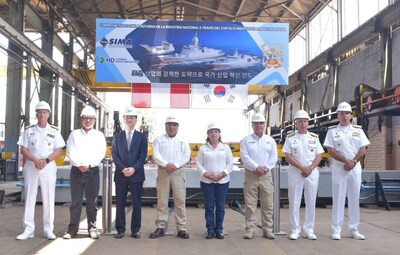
{"x":119,"y":235}
{"x":183,"y":234}
{"x":158,"y":233}
{"x":209,"y":235}
{"x":219,"y":235}
{"x":135,"y":235}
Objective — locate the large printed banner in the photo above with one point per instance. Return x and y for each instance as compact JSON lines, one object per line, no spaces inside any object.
{"x":153,"y":51}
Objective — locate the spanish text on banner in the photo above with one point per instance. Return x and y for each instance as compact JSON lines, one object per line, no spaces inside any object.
{"x":155,"y":51}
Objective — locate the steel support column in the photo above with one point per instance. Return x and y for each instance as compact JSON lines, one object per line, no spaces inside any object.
{"x":46,"y":76}
{"x":387,"y":82}
{"x":14,"y":82}
{"x":66,"y":124}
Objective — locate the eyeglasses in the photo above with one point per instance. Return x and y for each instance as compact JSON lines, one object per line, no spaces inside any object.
{"x":172,"y":124}
{"x":42,"y":112}
{"x":87,"y":118}
{"x":130,"y":117}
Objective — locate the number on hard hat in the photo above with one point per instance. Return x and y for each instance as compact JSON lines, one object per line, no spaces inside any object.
{"x":42,"y":105}
{"x":213,"y":126}
{"x":301,"y":114}
{"x":88,"y":111}
{"x":344,"y":107}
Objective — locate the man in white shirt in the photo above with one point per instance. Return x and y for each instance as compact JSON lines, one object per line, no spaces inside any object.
{"x":86,"y":148}
{"x":40,"y":145}
{"x":259,"y":155}
{"x":347,"y":144}
{"x":303,"y":151}
{"x":171,"y":153}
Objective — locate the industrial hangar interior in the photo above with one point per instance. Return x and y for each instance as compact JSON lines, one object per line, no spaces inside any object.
{"x":361,"y":67}
{"x":332,"y":61}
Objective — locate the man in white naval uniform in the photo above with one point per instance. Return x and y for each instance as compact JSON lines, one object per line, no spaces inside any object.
{"x":346,"y":144}
{"x":40,"y":145}
{"x":303,"y":151}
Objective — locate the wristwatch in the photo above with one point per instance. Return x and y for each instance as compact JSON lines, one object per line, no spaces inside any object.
{"x":47,"y":160}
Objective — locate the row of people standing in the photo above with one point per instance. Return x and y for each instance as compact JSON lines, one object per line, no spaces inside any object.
{"x":346,"y":144}
{"x":41,"y":144}
{"x":214,"y":164}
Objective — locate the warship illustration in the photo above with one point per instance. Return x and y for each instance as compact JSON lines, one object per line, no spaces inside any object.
{"x":236,"y":60}
{"x":192,"y":52}
{"x":164,"y":48}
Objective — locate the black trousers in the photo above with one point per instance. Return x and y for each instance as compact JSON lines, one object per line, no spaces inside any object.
{"x":87,"y":183}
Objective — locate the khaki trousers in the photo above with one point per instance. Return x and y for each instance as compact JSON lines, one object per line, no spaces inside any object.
{"x":254,"y":185}
{"x":166,"y":181}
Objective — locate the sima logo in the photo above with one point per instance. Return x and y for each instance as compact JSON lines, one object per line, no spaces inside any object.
{"x":116,"y":42}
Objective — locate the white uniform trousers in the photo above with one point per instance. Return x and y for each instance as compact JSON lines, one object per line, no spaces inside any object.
{"x":345,"y":182}
{"x":296,"y":184}
{"x":46,"y":179}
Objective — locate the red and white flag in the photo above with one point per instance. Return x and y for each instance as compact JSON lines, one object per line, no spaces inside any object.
{"x":160,"y":95}
{"x":219,"y":96}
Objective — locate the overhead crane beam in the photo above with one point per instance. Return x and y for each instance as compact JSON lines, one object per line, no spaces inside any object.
{"x":28,"y":46}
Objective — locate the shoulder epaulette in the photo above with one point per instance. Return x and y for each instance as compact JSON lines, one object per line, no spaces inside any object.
{"x":30,"y":126}
{"x":290,"y":133}
{"x":357,"y":126}
{"x":56,"y":128}
{"x":332,"y":127}
{"x":313,"y":134}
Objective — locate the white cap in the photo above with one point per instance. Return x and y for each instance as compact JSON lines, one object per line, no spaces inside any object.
{"x":301,"y":114}
{"x":344,"y":107}
{"x":42,"y":105}
{"x":258,"y":117}
{"x":88,"y":111}
{"x":213,"y":126}
{"x":130,"y":111}
{"x":171,"y":119}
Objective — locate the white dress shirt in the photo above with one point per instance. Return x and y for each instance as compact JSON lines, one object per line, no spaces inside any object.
{"x":214,"y":161}
{"x":170,"y":150}
{"x":255,"y":151}
{"x":86,"y":148}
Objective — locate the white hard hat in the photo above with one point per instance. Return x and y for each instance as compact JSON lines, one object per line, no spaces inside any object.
{"x":213,"y":126}
{"x":344,"y":107}
{"x":130,"y":111}
{"x":88,"y":111}
{"x":301,"y":114}
{"x":171,"y":119}
{"x":42,"y":105}
{"x":258,"y":117}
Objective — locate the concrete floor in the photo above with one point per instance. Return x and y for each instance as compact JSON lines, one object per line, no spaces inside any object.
{"x":381,"y":228}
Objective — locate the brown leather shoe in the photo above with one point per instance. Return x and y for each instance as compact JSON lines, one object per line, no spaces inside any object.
{"x":158,"y":233}
{"x":183,"y":234}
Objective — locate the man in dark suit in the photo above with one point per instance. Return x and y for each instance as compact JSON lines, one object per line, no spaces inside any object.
{"x":129,"y":152}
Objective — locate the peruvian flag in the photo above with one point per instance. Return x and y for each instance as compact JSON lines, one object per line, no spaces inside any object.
{"x":160,"y":95}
